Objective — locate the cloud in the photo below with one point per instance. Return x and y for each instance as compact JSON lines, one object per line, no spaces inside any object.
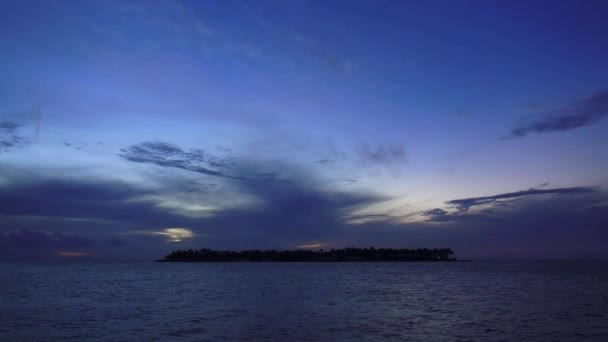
{"x":170,"y":155}
{"x":363,"y":159}
{"x":381,"y":154}
{"x":543,"y":185}
{"x":93,"y":213}
{"x":574,"y":115}
{"x":359,"y":219}
{"x":283,"y":212}
{"x":555,"y":226}
{"x":171,"y":234}
{"x":9,"y":137}
{"x":296,"y":213}
{"x":563,"y":224}
{"x":302,"y":210}
{"x":462,"y":206}
{"x":81,"y":200}
{"x":175,"y":234}
{"x":271,"y":214}
{"x":26,"y":238}
{"x":466,"y":203}
{"x":8,"y":126}
{"x":196,"y":160}
{"x":437,"y":215}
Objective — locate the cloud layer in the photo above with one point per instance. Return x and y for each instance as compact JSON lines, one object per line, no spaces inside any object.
{"x":280,"y":214}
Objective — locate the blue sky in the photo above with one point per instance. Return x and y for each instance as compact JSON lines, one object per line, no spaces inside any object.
{"x":128,"y":129}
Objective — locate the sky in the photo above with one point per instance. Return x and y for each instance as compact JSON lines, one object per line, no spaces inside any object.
{"x":129,"y":129}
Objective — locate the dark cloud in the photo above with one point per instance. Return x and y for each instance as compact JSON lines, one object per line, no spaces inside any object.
{"x":282,"y":212}
{"x":9,"y":137}
{"x":543,"y":185}
{"x":578,"y":114}
{"x":70,"y":199}
{"x":461,"y":206}
{"x":8,"y":126}
{"x":466,"y":203}
{"x":294,"y":211}
{"x":25,"y":238}
{"x":76,"y":146}
{"x":437,"y":215}
{"x":196,"y":160}
{"x":435,"y":212}
{"x":102,"y":212}
{"x":170,"y":155}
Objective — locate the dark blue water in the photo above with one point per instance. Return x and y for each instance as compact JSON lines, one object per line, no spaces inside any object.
{"x":480,"y":301}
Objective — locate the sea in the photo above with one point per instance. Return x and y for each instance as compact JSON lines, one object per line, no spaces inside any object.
{"x":359,"y":301}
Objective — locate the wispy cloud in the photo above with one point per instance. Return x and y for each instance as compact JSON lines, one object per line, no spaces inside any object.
{"x":326,"y":161}
{"x":381,"y":154}
{"x":170,"y":155}
{"x":196,"y":160}
{"x":466,"y":203}
{"x":8,"y":126}
{"x":9,"y":137}
{"x":574,"y":115}
{"x":458,"y":207}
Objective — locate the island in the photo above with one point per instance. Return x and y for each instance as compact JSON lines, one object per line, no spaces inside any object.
{"x":345,"y":254}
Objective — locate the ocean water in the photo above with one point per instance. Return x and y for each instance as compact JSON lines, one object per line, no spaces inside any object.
{"x":461,"y":301}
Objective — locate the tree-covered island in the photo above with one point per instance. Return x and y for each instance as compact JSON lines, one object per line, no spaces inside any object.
{"x":345,"y":254}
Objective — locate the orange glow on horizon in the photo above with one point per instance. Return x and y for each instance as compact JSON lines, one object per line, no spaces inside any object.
{"x":73,"y":254}
{"x":311,"y":246}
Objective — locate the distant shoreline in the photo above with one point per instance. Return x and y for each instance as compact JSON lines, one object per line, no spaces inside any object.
{"x":349,"y":254}
{"x":320,"y":261}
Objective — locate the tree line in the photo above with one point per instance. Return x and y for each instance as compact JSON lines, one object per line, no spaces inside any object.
{"x":344,"y":254}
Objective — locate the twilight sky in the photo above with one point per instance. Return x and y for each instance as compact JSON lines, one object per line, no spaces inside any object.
{"x":130,"y":129}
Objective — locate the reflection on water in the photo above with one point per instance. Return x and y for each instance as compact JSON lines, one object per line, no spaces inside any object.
{"x":554,"y":300}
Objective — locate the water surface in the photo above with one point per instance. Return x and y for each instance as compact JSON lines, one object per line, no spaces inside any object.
{"x":541,"y":301}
